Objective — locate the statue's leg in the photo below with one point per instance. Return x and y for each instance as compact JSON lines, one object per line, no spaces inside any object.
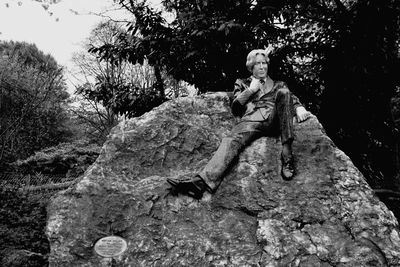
{"x":227,"y":151}
{"x":282,"y":115}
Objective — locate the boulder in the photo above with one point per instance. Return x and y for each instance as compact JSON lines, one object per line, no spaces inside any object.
{"x":326,"y":216}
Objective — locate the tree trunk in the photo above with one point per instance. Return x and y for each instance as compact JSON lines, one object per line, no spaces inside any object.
{"x":395,"y":108}
{"x":159,"y":85}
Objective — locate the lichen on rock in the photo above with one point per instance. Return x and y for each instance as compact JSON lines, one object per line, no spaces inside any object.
{"x":326,"y":216}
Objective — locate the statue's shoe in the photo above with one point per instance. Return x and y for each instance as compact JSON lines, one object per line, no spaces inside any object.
{"x":287,"y":170}
{"x":194,"y":187}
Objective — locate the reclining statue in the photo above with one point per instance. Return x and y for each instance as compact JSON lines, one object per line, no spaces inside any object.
{"x":266,"y":108}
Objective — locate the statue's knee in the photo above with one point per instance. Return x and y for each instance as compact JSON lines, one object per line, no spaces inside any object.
{"x":283,"y":92}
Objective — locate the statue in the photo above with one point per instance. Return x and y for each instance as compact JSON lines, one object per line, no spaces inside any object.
{"x":266,"y":108}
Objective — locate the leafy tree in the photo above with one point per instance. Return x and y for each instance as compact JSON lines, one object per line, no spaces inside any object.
{"x":352,"y":49}
{"x":33,"y":99}
{"x":122,"y":88}
{"x":204,"y":45}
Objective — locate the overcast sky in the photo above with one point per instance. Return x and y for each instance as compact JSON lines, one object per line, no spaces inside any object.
{"x":58,"y":30}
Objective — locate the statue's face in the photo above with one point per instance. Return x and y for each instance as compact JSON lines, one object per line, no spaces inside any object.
{"x":260,"y":69}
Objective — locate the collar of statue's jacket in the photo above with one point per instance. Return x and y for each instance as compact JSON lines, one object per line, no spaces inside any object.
{"x":248,"y":80}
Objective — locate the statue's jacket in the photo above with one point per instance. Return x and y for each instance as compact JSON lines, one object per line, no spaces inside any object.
{"x":253,"y":108}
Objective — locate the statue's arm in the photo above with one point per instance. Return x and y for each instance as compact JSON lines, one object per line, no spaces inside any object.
{"x":296,"y":102}
{"x":241,"y":95}
{"x":301,"y":113}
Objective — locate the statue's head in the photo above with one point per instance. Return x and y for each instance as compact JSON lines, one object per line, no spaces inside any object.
{"x":257,"y":62}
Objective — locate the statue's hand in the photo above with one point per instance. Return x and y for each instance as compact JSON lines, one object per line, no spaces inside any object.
{"x":254,"y":85}
{"x":268,"y":50}
{"x":302,"y":114}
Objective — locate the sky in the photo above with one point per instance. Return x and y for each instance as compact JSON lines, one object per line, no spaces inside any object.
{"x":58,"y":30}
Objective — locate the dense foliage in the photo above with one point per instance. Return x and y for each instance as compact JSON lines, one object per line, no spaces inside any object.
{"x":63,"y":160}
{"x":366,"y":60}
{"x":122,"y":88}
{"x":33,"y":101}
{"x":24,"y":195}
{"x":354,"y":51}
{"x":205,"y":44}
{"x":22,"y":226}
{"x":340,"y":57}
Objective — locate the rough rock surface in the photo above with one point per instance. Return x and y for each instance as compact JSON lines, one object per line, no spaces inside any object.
{"x":326,"y":216}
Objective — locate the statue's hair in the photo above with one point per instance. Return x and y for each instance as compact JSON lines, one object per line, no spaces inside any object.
{"x":251,"y":58}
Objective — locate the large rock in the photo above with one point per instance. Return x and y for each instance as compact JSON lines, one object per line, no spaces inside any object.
{"x":326,"y":216}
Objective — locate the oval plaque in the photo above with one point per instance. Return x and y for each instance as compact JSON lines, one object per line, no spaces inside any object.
{"x":110,"y":246}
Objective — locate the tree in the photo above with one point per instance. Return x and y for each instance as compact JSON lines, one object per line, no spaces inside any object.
{"x":107,"y":89}
{"x":204,"y":45}
{"x":33,"y":100}
{"x":352,"y":47}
